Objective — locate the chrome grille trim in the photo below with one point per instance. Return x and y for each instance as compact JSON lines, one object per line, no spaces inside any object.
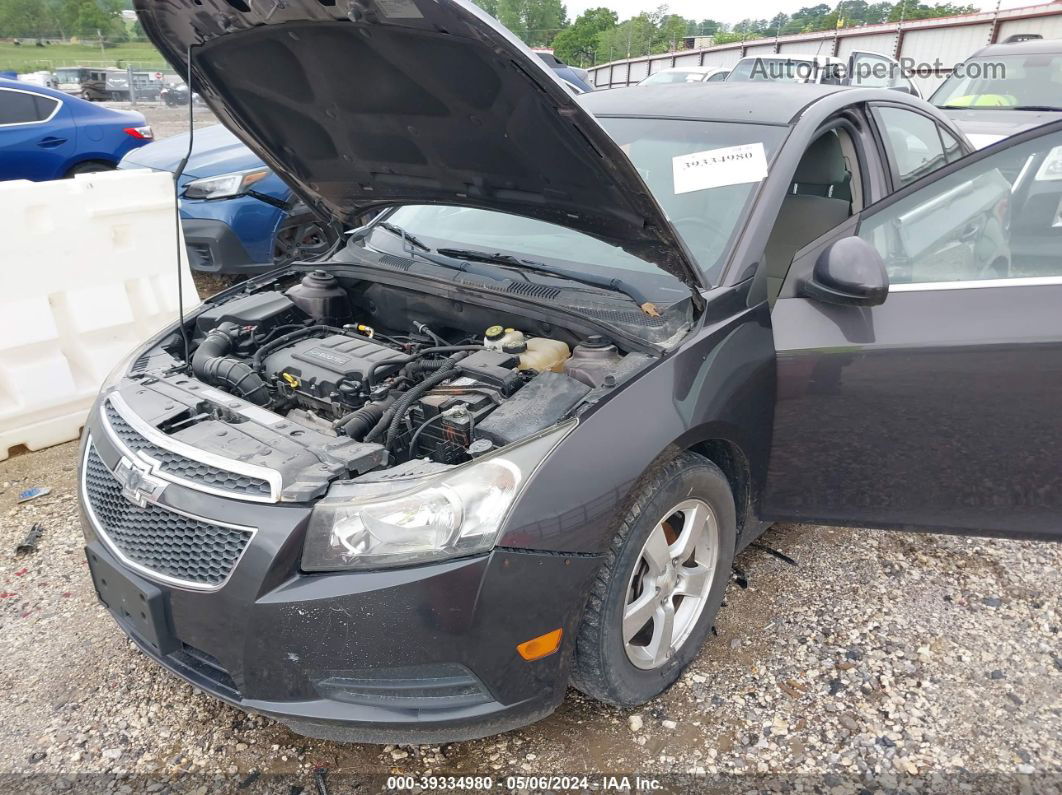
{"x":160,"y":440}
{"x":151,"y":574}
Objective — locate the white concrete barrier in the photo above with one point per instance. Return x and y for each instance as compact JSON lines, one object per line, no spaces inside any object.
{"x":88,"y":269}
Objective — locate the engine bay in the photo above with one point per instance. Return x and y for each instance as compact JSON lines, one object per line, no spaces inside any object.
{"x":367,"y":376}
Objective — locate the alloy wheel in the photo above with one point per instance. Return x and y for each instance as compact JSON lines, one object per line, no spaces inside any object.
{"x":669,"y":587}
{"x":302,"y":238}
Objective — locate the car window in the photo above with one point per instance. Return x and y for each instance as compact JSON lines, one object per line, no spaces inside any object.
{"x":718,"y":77}
{"x":952,"y":147}
{"x":673,"y":77}
{"x":822,"y":194}
{"x":874,"y":71}
{"x":793,"y":70}
{"x":998,"y":218}
{"x":1004,"y":81}
{"x":22,"y":107}
{"x":912,"y":141}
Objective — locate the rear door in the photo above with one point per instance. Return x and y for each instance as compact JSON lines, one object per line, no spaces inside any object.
{"x":940,"y":407}
{"x":36,"y":135}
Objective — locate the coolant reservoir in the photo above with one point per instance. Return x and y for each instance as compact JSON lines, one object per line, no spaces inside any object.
{"x":592,"y":360}
{"x":540,"y":354}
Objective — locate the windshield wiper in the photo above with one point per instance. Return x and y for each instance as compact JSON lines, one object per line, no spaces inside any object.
{"x":407,"y":238}
{"x":591,"y":279}
{"x":1001,"y":107}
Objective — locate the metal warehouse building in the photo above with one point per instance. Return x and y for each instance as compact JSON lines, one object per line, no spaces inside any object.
{"x":938,"y":43}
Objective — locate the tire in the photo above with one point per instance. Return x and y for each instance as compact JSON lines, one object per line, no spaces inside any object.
{"x":303,"y":236}
{"x":92,"y":167}
{"x":630,"y":672}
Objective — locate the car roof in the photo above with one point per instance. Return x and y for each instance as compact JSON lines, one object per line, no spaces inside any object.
{"x":1031,"y":47}
{"x":34,"y":89}
{"x":768,"y":102}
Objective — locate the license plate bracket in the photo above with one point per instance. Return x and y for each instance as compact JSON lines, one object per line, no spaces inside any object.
{"x":142,"y":609}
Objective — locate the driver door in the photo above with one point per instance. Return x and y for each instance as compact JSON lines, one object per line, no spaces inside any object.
{"x":874,"y":70}
{"x":919,"y":355}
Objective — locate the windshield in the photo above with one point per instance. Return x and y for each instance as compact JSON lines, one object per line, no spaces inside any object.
{"x":68,"y":75}
{"x":707,"y":219}
{"x":1004,"y":81}
{"x":673,"y":77}
{"x":785,"y":69}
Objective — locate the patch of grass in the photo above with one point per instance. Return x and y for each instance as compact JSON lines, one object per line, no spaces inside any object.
{"x":30,"y":58}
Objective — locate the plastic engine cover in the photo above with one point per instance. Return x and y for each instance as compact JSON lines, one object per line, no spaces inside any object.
{"x":320,"y":364}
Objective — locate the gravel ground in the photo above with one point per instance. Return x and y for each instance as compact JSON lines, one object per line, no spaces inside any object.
{"x":880,"y":659}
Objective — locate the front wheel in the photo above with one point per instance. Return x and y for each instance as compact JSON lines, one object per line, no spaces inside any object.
{"x":661,"y":585}
{"x":303,"y":237}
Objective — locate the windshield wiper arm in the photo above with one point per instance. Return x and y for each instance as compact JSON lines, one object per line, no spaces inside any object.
{"x":591,"y":279}
{"x":1035,"y":107}
{"x":407,"y":238}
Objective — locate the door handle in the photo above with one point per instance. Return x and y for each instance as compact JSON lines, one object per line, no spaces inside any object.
{"x":50,"y":142}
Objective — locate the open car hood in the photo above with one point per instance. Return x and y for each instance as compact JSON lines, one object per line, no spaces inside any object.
{"x":361,"y":104}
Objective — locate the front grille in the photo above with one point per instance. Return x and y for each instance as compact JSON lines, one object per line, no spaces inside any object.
{"x":178,"y":466}
{"x":160,"y":541}
{"x":204,"y":670}
{"x":200,"y":255}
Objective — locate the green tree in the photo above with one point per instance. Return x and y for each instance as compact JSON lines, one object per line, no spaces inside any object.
{"x":30,"y":18}
{"x":809,"y":18}
{"x":774,"y":27}
{"x":534,"y":21}
{"x":490,"y":6}
{"x":577,"y":43}
{"x":911,"y":9}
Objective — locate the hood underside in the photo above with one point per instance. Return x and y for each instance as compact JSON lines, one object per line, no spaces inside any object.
{"x":374,"y":103}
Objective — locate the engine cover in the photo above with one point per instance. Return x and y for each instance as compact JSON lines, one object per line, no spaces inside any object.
{"x":316,"y":366}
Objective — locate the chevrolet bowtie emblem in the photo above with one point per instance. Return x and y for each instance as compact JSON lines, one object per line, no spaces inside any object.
{"x":139,"y":486}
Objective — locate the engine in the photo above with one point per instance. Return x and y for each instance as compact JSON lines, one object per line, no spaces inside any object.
{"x":446,"y":396}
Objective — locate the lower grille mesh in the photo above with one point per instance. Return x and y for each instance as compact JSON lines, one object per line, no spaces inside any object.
{"x":161,"y":541}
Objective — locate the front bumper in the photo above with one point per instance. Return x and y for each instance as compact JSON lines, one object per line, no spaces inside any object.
{"x":213,"y":247}
{"x":421,"y":654}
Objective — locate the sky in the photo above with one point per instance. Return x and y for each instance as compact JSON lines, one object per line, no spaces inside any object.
{"x":731,"y":11}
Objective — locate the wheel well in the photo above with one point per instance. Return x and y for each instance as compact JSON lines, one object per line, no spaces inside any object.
{"x":735,"y":465}
{"x":92,"y":161}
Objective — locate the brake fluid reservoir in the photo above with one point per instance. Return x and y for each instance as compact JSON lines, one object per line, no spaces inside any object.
{"x":496,"y":338}
{"x":540,"y":354}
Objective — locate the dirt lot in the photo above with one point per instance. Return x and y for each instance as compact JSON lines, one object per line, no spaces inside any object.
{"x":879,"y":660}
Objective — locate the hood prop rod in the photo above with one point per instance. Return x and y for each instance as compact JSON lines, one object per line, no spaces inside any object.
{"x":177,"y":209}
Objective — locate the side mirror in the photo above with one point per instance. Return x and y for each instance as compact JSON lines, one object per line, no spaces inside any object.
{"x":905,"y":88}
{"x":849,"y":272}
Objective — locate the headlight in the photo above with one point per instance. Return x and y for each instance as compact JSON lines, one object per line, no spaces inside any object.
{"x":455,"y":513}
{"x":225,"y":185}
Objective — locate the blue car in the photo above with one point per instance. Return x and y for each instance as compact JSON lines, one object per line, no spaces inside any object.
{"x":238,"y":216}
{"x":46,"y":134}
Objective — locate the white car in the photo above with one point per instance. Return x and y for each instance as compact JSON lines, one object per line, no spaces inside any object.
{"x":866,"y":69}
{"x":687,"y":74}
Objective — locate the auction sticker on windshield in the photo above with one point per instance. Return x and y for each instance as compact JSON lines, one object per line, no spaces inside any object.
{"x":716,"y":168}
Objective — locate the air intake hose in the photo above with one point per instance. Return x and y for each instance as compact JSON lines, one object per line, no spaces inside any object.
{"x":211,"y":363}
{"x":360,"y":422}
